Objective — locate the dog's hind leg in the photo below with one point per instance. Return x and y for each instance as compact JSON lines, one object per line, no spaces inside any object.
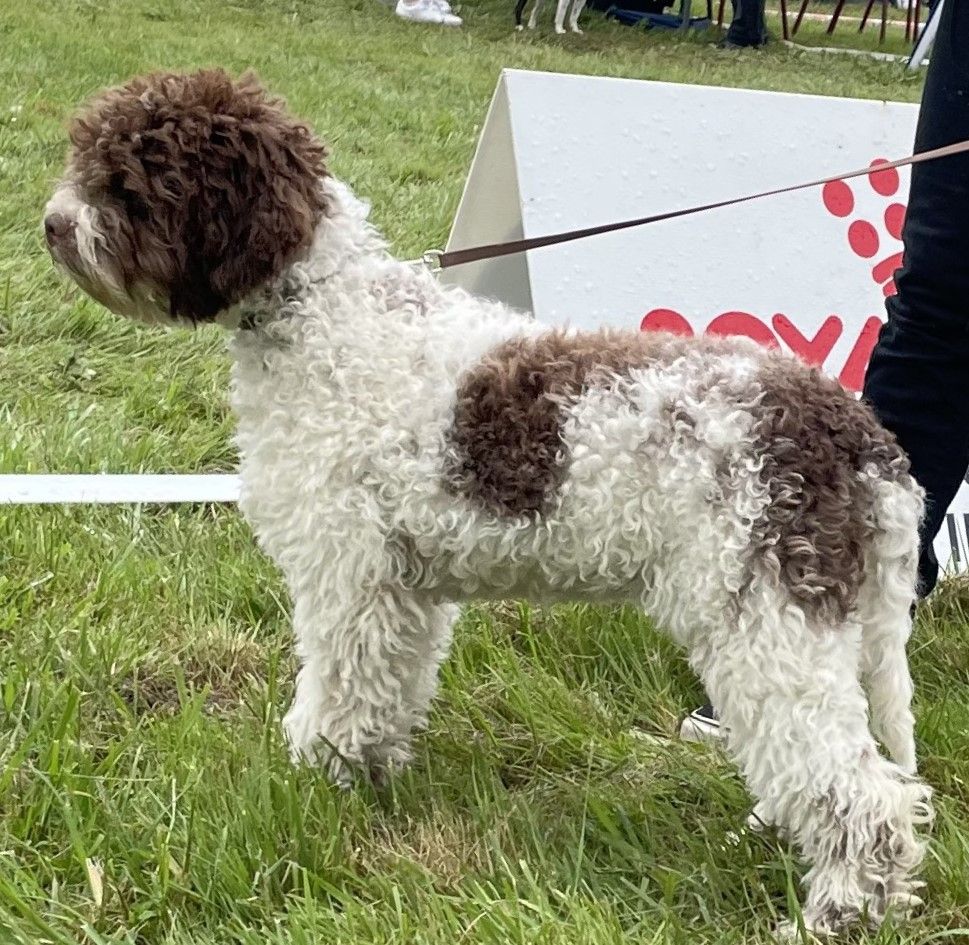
{"x":796,"y":721}
{"x":885,"y":671}
{"x":369,"y":671}
{"x":519,"y":9}
{"x":885,"y":608}
{"x":574,"y":13}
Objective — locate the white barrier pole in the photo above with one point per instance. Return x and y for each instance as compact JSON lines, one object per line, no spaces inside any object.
{"x":42,"y":489}
{"x":924,"y":45}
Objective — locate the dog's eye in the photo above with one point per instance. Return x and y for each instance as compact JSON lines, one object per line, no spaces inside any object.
{"x":116,"y":187}
{"x":134,"y":205}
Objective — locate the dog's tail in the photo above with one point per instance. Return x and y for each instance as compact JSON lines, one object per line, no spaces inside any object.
{"x":888,"y":596}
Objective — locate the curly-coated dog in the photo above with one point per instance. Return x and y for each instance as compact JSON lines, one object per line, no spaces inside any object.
{"x":406,"y":446}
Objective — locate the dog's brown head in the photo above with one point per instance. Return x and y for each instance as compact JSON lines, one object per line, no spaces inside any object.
{"x":183,"y":194}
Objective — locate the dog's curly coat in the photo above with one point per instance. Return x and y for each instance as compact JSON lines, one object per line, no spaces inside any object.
{"x":406,"y":446}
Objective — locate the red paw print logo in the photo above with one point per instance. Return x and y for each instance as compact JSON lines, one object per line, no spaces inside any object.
{"x":870,"y":241}
{"x":863,"y":235}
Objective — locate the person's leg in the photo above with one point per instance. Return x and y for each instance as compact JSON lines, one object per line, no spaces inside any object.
{"x":918,"y":377}
{"x":747,"y":27}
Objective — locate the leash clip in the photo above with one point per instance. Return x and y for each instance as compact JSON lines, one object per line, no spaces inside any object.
{"x":432,"y":259}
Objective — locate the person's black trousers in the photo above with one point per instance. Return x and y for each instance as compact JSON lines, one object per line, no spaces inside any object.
{"x":918,"y":377}
{"x":747,"y":28}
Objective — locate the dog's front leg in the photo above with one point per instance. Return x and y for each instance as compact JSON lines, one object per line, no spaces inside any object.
{"x":369,"y":671}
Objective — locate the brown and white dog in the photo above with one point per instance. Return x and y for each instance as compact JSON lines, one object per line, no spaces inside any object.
{"x":406,"y":447}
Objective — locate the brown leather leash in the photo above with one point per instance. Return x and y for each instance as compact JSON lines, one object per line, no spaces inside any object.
{"x":458,"y":257}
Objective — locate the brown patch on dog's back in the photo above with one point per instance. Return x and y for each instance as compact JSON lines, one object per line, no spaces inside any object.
{"x":505,"y":444}
{"x":817,"y":439}
{"x":205,"y":186}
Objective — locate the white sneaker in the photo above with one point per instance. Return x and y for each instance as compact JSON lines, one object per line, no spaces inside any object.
{"x":428,"y":11}
{"x":701,"y":725}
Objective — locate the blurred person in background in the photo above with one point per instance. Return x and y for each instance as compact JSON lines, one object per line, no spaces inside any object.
{"x":747,"y":28}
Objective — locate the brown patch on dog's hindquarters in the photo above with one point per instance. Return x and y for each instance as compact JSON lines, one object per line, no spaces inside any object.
{"x":206,"y":188}
{"x":816,"y":439}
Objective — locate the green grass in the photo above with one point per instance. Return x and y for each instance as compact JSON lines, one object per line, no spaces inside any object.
{"x":145,"y":796}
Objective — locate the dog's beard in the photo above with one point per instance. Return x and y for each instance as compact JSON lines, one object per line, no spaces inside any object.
{"x":138,"y":303}
{"x":88,"y":262}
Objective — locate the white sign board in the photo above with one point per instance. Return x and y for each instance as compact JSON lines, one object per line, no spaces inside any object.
{"x":807,"y":271}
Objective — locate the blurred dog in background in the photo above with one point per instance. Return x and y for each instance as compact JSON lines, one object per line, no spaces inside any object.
{"x":560,"y":12}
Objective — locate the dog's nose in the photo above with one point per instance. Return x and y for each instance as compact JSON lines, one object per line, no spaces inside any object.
{"x":56,"y":226}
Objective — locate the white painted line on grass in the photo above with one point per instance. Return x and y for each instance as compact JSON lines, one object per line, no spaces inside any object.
{"x":41,"y":489}
{"x":845,"y":51}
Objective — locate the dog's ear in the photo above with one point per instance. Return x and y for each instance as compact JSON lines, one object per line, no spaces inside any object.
{"x":259,"y":197}
{"x":214,"y":186}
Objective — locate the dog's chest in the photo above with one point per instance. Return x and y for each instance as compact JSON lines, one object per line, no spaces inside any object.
{"x":324,"y":430}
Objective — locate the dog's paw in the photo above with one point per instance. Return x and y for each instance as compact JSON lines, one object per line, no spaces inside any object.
{"x":339,"y":770}
{"x":387,"y":761}
{"x":814,"y":931}
{"x":826,"y":924}
{"x":560,"y":30}
{"x":903,"y":901}
{"x":759,"y":822}
{"x":755,"y":824}
{"x":576,"y":29}
{"x":789,"y":933}
{"x":302,"y":729}
{"x":519,"y":28}
{"x":904,"y":905}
